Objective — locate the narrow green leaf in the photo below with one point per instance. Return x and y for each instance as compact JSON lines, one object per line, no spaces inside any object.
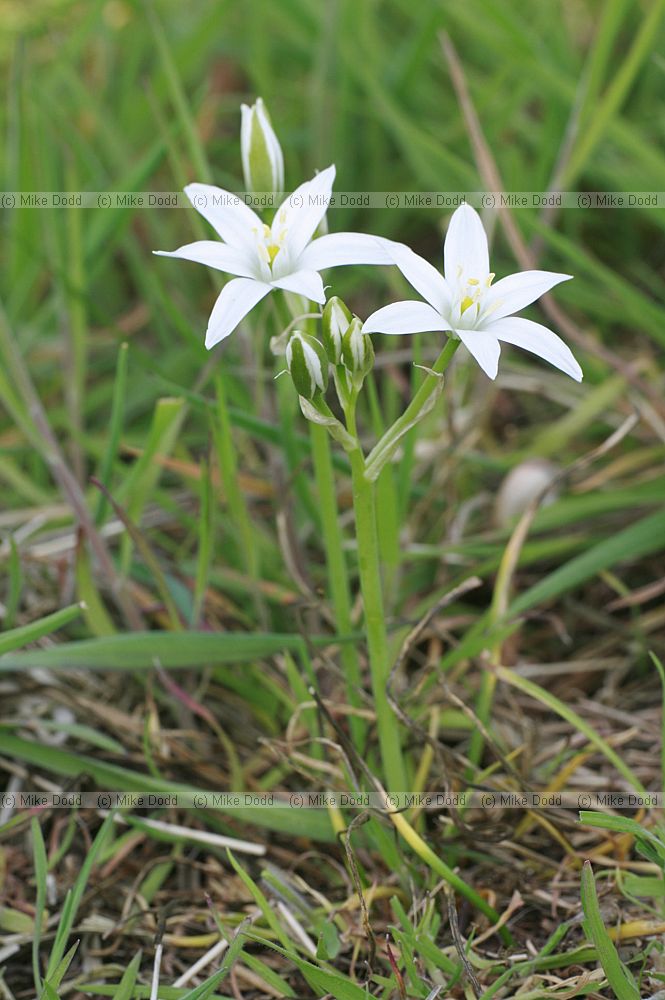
{"x":18,"y":637}
{"x":138,"y":486}
{"x":74,"y":897}
{"x":618,"y":976}
{"x":61,"y":971}
{"x":125,"y":989}
{"x":115,"y":430}
{"x":141,"y":650}
{"x":41,"y":872}
{"x":262,"y":903}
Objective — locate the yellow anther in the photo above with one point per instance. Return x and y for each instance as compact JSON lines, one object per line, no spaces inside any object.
{"x":472,"y":281}
{"x":490,"y":278}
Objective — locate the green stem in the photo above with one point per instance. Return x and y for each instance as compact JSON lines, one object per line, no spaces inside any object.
{"x":337,"y":573}
{"x":375,"y":623}
{"x":387,"y":504}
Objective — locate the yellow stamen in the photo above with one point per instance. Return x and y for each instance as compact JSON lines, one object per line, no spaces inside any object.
{"x":465,"y":303}
{"x":473,"y":281}
{"x":272,"y":248}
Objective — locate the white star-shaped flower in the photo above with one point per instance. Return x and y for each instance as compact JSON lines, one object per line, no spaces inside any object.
{"x":282,"y":255}
{"x":466,"y":304}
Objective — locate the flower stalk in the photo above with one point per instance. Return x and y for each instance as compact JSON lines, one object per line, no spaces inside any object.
{"x":369,"y":568}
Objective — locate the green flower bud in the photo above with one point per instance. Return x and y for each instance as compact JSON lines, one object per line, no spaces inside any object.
{"x":262,"y":160}
{"x":336,"y":319}
{"x":357,"y":351}
{"x":308,"y":364}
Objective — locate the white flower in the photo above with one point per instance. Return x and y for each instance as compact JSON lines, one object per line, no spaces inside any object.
{"x":262,"y":159}
{"x":283,"y":255}
{"x":467,"y":305}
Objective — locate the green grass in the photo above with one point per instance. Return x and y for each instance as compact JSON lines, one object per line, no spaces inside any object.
{"x":177,"y":575}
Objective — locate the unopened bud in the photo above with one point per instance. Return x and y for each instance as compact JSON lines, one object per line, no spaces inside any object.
{"x":308,"y":363}
{"x":262,"y":159}
{"x":357,"y":350}
{"x":335,"y":323}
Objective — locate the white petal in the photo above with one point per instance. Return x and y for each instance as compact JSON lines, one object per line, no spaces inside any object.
{"x":405,"y":317}
{"x":539,"y":340}
{"x":345,"y":248}
{"x":300,"y":213}
{"x":215,"y":254}
{"x":513,"y":293}
{"x":235,"y":221}
{"x":418,"y":272}
{"x":232,"y":305}
{"x":484,"y":347}
{"x":465,"y":248}
{"x":307,"y":283}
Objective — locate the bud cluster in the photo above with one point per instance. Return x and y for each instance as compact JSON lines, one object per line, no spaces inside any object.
{"x":343,"y":345}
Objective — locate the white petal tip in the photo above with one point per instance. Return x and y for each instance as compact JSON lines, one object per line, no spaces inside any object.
{"x":465,"y":209}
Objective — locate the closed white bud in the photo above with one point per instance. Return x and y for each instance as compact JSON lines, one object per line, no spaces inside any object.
{"x":308,"y":363}
{"x":357,"y":351}
{"x":335,"y":323}
{"x":262,"y":159}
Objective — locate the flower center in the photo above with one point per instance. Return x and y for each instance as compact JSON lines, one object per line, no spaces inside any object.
{"x":270,"y":239}
{"x":470,"y":295}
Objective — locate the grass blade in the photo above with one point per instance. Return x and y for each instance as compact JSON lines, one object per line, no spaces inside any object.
{"x":618,"y":976}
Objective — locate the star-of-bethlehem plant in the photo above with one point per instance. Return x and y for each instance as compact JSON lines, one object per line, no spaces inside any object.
{"x":464,"y":303}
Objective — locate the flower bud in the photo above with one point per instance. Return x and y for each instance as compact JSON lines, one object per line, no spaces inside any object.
{"x":335,"y":323}
{"x":262,"y":160}
{"x":357,"y":350}
{"x":308,"y":364}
